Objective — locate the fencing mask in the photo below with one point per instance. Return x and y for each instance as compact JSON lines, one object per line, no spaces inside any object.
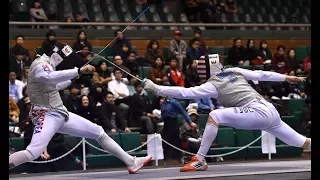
{"x":63,"y":57}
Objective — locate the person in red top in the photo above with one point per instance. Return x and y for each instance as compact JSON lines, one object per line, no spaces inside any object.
{"x":307,"y":64}
{"x":175,"y":76}
{"x":280,"y":63}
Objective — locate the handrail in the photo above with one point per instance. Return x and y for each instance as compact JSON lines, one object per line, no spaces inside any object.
{"x":161,"y":24}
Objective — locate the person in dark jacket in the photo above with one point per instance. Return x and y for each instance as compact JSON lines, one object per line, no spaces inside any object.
{"x":81,"y":41}
{"x":124,"y":51}
{"x":19,"y":44}
{"x":140,"y":106}
{"x":294,"y":61}
{"x":72,"y":102}
{"x":280,"y":63}
{"x":153,"y":50}
{"x":18,"y":62}
{"x":24,"y":105}
{"x":195,"y":50}
{"x":120,"y":40}
{"x":102,"y":76}
{"x":131,"y":63}
{"x":237,"y":54}
{"x":264,"y":52}
{"x":192,"y":78}
{"x":252,"y":53}
{"x":49,"y":43}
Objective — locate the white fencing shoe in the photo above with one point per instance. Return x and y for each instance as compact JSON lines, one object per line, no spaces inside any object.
{"x":139,"y":162}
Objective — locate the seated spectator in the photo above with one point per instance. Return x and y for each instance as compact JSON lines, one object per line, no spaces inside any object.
{"x":192,"y":78}
{"x":153,"y":50}
{"x":231,"y":7}
{"x":119,"y":62}
{"x":80,"y":18}
{"x":14,"y":111}
{"x":141,"y":111}
{"x":178,"y":48}
{"x":25,"y":74}
{"x":307,"y":64}
{"x":18,"y":62}
{"x":121,"y":93}
{"x":49,"y":43}
{"x":194,"y":51}
{"x":72,"y":102}
{"x":175,"y":76}
{"x":81,"y":41}
{"x":252,"y":53}
{"x":237,"y":54}
{"x":264,"y":52}
{"x":19,"y":44}
{"x":15,"y":87}
{"x":112,"y":113}
{"x":197,"y":34}
{"x":293,"y":88}
{"x":157,"y":73}
{"x":205,"y":105}
{"x":293,"y":61}
{"x":192,"y":9}
{"x":132,"y":88}
{"x":280,"y":63}
{"x":131,"y":63}
{"x":120,"y":40}
{"x":68,"y":20}
{"x":206,"y":11}
{"x":37,"y":14}
{"x":24,"y":105}
{"x":102,"y":76}
{"x":124,"y":51}
{"x":96,"y":93}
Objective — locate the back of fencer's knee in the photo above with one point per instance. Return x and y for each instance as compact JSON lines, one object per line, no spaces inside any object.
{"x":33,"y":154}
{"x":100,"y":132}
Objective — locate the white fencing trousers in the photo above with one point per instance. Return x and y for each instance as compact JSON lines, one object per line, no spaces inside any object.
{"x":54,"y":122}
{"x":258,"y":115}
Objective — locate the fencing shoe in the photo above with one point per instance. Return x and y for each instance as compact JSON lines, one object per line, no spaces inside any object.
{"x":194,"y":165}
{"x":139,"y":162}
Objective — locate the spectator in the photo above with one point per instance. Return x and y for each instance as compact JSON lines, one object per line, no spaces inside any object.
{"x":280,"y":63}
{"x":24,"y":105}
{"x":119,"y":62}
{"x":307,"y":64}
{"x":170,"y":108}
{"x":102,"y":76}
{"x":124,"y":51}
{"x":237,"y":54}
{"x":19,"y":44}
{"x":15,"y":87}
{"x":131,"y":63}
{"x":192,"y":78}
{"x":252,"y":53}
{"x":191,"y":9}
{"x":121,"y":94}
{"x":25,"y":74}
{"x":293,"y":61}
{"x":178,"y":48}
{"x":197,"y":34}
{"x":14,"y":111}
{"x":72,"y":102}
{"x":194,"y":51}
{"x":81,"y":41}
{"x":293,"y":88}
{"x":231,"y":7}
{"x":264,"y":52}
{"x":68,"y":20}
{"x":206,"y":11}
{"x":205,"y":105}
{"x":131,"y":86}
{"x":37,"y":14}
{"x":120,"y":40}
{"x":81,"y":19}
{"x":153,"y":50}
{"x":17,"y":63}
{"x":157,"y":73}
{"x":49,"y":43}
{"x":175,"y":76}
{"x":141,"y":111}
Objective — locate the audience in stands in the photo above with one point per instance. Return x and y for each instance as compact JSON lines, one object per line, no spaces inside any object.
{"x":15,"y":87}
{"x":119,"y":62}
{"x":294,"y":62}
{"x":124,"y":51}
{"x":252,"y":53}
{"x":307,"y":64}
{"x":280,"y":63}
{"x":49,"y":43}
{"x":116,"y":47}
{"x":264,"y":52}
{"x":237,"y":54}
{"x":156,"y":73}
{"x":205,"y":105}
{"x":140,"y":107}
{"x":175,"y":76}
{"x":131,"y":86}
{"x":112,"y":113}
{"x":24,"y":76}
{"x":68,"y":20}
{"x":14,"y":111}
{"x":231,"y":7}
{"x":37,"y":13}
{"x":80,"y":18}
{"x":131,"y":63}
{"x":191,"y":75}
{"x":19,"y":44}
{"x":96,"y":92}
{"x":102,"y":76}
{"x":194,"y":51}
{"x":178,"y":48}
{"x":19,"y":61}
{"x":191,"y":8}
{"x":72,"y":102}
{"x":153,"y":50}
{"x":81,"y":41}
{"x":24,"y":105}
{"x":197,"y":34}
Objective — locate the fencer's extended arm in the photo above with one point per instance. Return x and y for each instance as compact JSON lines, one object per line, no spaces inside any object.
{"x":54,"y":77}
{"x":259,"y":75}
{"x":63,"y":85}
{"x":204,"y":90}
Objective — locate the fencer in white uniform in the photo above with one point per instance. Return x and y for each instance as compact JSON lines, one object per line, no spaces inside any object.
{"x":245,"y":108}
{"x":50,"y":116}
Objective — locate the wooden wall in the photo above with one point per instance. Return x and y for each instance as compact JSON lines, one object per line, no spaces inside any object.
{"x":141,"y":45}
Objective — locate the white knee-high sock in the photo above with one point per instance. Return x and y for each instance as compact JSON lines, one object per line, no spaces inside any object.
{"x":18,"y":158}
{"x":210,"y":133}
{"x":111,"y":146}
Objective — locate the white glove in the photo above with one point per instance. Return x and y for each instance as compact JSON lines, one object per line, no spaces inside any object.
{"x":149,"y":85}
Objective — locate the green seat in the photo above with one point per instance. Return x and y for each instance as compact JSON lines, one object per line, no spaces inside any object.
{"x":225,"y":137}
{"x":17,"y":143}
{"x":97,"y":59}
{"x":288,"y":119}
{"x":301,"y":52}
{"x":114,"y":136}
{"x":244,"y":137}
{"x":102,"y":161}
{"x":202,"y":120}
{"x":165,"y":52}
{"x":257,"y":133}
{"x":288,"y":151}
{"x":217,"y":49}
{"x":223,"y":150}
{"x":130,"y":141}
{"x":108,"y":52}
{"x":296,"y":105}
{"x":145,"y":71}
{"x":297,"y":120}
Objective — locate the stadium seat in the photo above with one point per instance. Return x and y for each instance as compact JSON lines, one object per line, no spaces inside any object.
{"x":145,"y":71}
{"x":225,"y":137}
{"x":124,"y":8}
{"x":82,"y":8}
{"x":16,"y":143}
{"x":114,"y":136}
{"x":21,"y":7}
{"x":262,"y":10}
{"x":123,"y":2}
{"x":296,"y":105}
{"x":130,"y":141}
{"x":152,"y":9}
{"x":244,"y":137}
{"x":110,"y":8}
{"x":156,"y":19}
{"x":95,"y":1}
{"x":165,"y":52}
{"x":67,"y":7}
{"x":301,"y":52}
{"x":217,"y":49}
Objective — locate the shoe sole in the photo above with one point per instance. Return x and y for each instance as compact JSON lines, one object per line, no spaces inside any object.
{"x":192,"y":170}
{"x":146,"y":162}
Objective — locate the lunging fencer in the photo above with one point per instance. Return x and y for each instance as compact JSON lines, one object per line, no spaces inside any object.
{"x":245,"y":108}
{"x":50,"y":116}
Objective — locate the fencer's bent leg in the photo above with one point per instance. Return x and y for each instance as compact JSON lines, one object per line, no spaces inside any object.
{"x":81,"y":127}
{"x":44,"y":130}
